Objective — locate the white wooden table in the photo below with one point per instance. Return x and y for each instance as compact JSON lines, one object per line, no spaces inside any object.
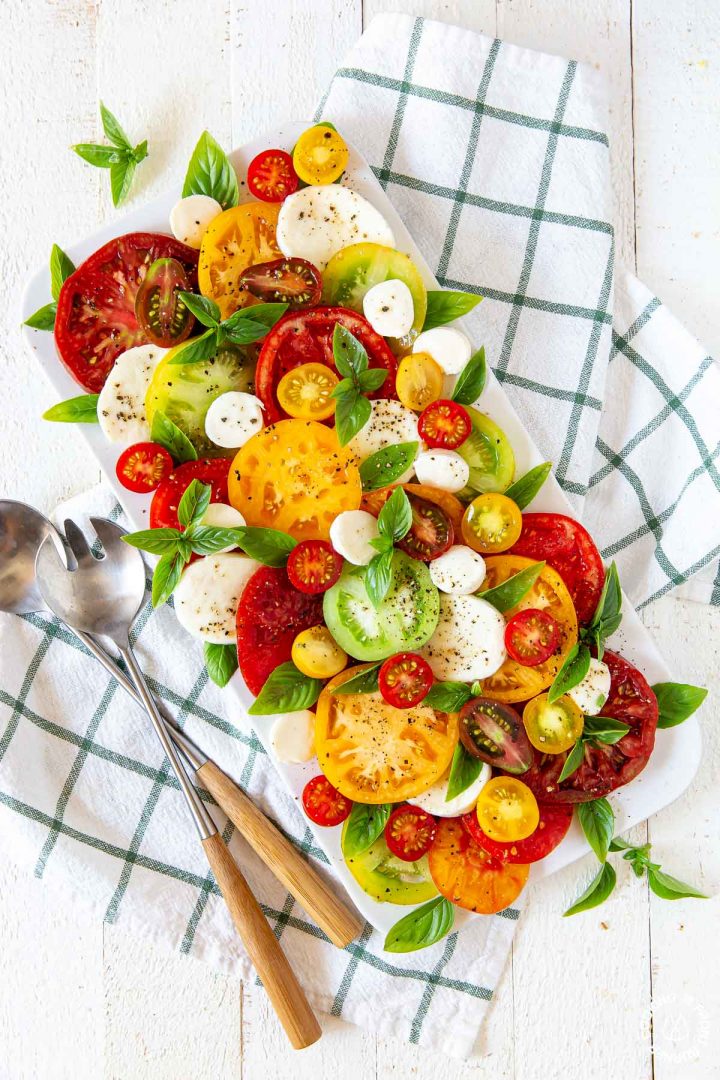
{"x":86,"y":1001}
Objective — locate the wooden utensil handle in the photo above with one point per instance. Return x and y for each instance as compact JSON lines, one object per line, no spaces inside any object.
{"x":329,"y":912}
{"x":263,"y":948}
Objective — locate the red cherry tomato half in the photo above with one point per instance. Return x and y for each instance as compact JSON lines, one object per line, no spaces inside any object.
{"x":409,"y":832}
{"x":271,"y":176}
{"x":143,"y":467}
{"x":552,"y":827}
{"x":295,"y":282}
{"x":531,"y":637}
{"x":444,"y":425}
{"x":161,"y":314}
{"x":323,"y":803}
{"x":566,"y":546}
{"x":313,"y":566}
{"x":212,"y":471}
{"x":404,"y":680}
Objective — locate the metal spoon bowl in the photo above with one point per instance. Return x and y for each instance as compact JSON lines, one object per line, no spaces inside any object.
{"x":22,"y":531}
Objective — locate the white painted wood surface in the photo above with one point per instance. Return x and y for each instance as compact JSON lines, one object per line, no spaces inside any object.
{"x":80,"y":1000}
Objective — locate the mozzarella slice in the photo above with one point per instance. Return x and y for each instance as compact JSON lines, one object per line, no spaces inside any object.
{"x":233,"y":418}
{"x":459,"y":572}
{"x":389,"y":423}
{"x":433,"y":800}
{"x":292,"y":736}
{"x":449,"y":348}
{"x":121,"y":404}
{"x":190,"y":217}
{"x":442,"y":469}
{"x":317,"y":222}
{"x":208,"y":594}
{"x":389,"y":308}
{"x":222,"y":516}
{"x":351,"y":533}
{"x":591,"y":694}
{"x":469,"y":640}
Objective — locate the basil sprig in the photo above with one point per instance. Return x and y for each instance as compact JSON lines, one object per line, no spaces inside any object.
{"x":166,"y":433}
{"x":608,"y":613}
{"x":352,"y":408}
{"x":422,"y":927}
{"x":677,"y":701}
{"x":447,"y":696}
{"x":574,"y":668}
{"x":365,"y":682}
{"x":268,"y":546}
{"x":241,"y":328}
{"x":76,"y":410}
{"x":524,"y":490}
{"x":464,"y":771}
{"x":387,"y":465}
{"x":365,"y":824}
{"x":286,"y":690}
{"x":471,"y":380}
{"x":221,"y":662}
{"x":394,"y":522}
{"x":210,"y":173}
{"x":61,"y":267}
{"x":510,"y":592}
{"x":121,"y":157}
{"x":446,"y":305}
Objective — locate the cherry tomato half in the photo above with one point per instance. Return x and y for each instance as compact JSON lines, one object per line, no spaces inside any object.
{"x":323,"y":803}
{"x":271,"y":176}
{"x":404,"y":680}
{"x":294,"y":282}
{"x":305,"y":393}
{"x":419,"y":381}
{"x":161,"y":314}
{"x":507,"y":809}
{"x":317,"y":654}
{"x":552,"y":727}
{"x":492,"y":523}
{"x":444,"y":425}
{"x":431,"y":533}
{"x":493,"y":732}
{"x":552,"y":828}
{"x":320,"y":155}
{"x":143,"y":467}
{"x":313,"y":566}
{"x":531,"y":637}
{"x":409,"y":832}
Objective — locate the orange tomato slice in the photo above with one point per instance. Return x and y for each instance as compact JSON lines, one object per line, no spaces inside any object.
{"x":239,"y":237}
{"x":468,"y":876}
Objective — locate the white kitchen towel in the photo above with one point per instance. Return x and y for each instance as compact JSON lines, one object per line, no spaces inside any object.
{"x":497,"y":159}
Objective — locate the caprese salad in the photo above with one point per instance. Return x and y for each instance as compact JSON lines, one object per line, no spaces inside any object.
{"x":334,"y":513}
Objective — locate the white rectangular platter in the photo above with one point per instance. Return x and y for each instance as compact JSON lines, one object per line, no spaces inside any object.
{"x":677,"y":750}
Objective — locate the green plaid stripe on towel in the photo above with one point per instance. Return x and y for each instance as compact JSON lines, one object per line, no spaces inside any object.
{"x":497,"y":159}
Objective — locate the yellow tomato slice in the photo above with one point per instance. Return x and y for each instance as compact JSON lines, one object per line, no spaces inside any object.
{"x":468,"y":876}
{"x":239,"y":237}
{"x":294,"y":476}
{"x":516,"y":682}
{"x":317,"y":654}
{"x":419,"y":381}
{"x":507,"y":810}
{"x":552,"y":728}
{"x":492,"y":523}
{"x":320,"y":155}
{"x":304,"y":392}
{"x":375,"y":753}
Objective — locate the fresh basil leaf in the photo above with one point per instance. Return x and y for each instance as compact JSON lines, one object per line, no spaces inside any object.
{"x":364,"y":826}
{"x":155,"y":541}
{"x":221,"y":662}
{"x":269,"y":546}
{"x":446,"y":305}
{"x":352,"y":413}
{"x":597,"y":891}
{"x":112,"y":128}
{"x":471,"y":380}
{"x":203,"y":308}
{"x":245,"y":331}
{"x":395,"y":518}
{"x":43,"y":318}
{"x":210,"y":173}
{"x":286,"y":690}
{"x":343,"y":389}
{"x":447,"y":696}
{"x":140,"y":152}
{"x":608,"y":613}
{"x":378,"y":577}
{"x":510,"y":592}
{"x":210,"y":539}
{"x":197,"y":349}
{"x":387,"y":465}
{"x":61,"y":267}
{"x":604,"y":729}
{"x":365,"y":682}
{"x":618,"y":844}
{"x":598,"y":822}
{"x":574,"y":669}
{"x":464,"y":771}
{"x":265,"y":314}
{"x":348,"y":353}
{"x":372,"y":379}
{"x":677,"y":701}
{"x":524,"y":490}
{"x":166,"y":577}
{"x":102,"y":157}
{"x":669,"y":888}
{"x":169,"y":435}
{"x":573,"y":761}
{"x":121,"y":178}
{"x":194,"y":502}
{"x":76,"y":410}
{"x":422,"y":927}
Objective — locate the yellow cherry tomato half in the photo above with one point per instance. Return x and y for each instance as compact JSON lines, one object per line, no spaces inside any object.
{"x":316,"y":653}
{"x":419,"y":381}
{"x":320,"y":155}
{"x":491,"y":523}
{"x":304,"y":392}
{"x":552,"y":728}
{"x":507,"y":809}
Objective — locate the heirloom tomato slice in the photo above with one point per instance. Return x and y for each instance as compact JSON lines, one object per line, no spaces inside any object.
{"x":386,"y":878}
{"x":373,"y":501}
{"x":551,"y":830}
{"x":237,"y":238}
{"x":213,"y":471}
{"x":566,"y":546}
{"x":468,"y":876}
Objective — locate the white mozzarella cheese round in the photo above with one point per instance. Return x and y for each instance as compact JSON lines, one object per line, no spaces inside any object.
{"x":233,"y":418}
{"x":317,"y":222}
{"x":469,"y":640}
{"x":208,"y":594}
{"x":459,"y":572}
{"x":292,"y":736}
{"x":222,"y":516}
{"x":190,"y":217}
{"x":389,"y":308}
{"x":592,"y":692}
{"x":442,"y":469}
{"x":351,"y":533}
{"x":389,"y":423}
{"x":121,"y":404}
{"x":435,"y":802}
{"x":449,"y":348}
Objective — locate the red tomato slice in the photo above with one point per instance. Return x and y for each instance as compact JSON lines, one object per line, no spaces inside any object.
{"x":552,"y":827}
{"x":96,"y":318}
{"x":604,"y":768}
{"x":284,"y":281}
{"x":531,"y":637}
{"x":213,"y":471}
{"x":404,"y":680}
{"x":271,"y":176}
{"x":409,"y":832}
{"x":566,"y":546}
{"x":305,"y":337}
{"x":271,"y":614}
{"x":323,"y":803}
{"x":313,"y":566}
{"x":143,"y":467}
{"x":444,"y":425}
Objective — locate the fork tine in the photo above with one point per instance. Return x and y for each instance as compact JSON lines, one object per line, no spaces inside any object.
{"x":110,"y":535}
{"x":76,"y":542}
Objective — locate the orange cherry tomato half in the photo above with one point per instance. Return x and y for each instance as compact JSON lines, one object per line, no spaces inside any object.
{"x":531,"y":637}
{"x":492,"y":523}
{"x":143,"y":467}
{"x":305,"y":393}
{"x":323,"y":803}
{"x":313,"y":566}
{"x":468,"y":876}
{"x":419,"y":381}
{"x":271,"y":176}
{"x":404,"y":680}
{"x":444,"y":425}
{"x":507,"y":809}
{"x":409,"y":832}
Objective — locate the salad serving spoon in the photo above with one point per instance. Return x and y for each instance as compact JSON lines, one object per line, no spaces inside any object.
{"x":22,"y":530}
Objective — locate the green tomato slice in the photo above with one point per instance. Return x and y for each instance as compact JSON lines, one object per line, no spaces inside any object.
{"x":405,"y":620}
{"x":357,"y":268}
{"x":184,"y":392}
{"x":384,"y":877}
{"x":489,"y":454}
